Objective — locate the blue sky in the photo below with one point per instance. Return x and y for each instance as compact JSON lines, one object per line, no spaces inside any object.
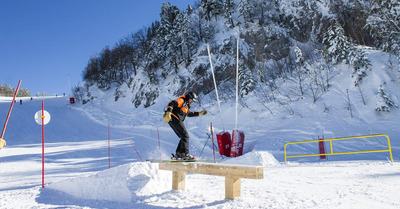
{"x":47,"y":43}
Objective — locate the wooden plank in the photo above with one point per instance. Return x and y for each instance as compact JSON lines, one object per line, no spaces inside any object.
{"x":178,"y":180}
{"x":232,"y":188}
{"x":231,"y":171}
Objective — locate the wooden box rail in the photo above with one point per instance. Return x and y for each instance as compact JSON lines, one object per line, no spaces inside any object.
{"x":232,"y":173}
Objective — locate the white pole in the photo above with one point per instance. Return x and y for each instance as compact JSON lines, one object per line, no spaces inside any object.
{"x":215,"y":84}
{"x":237,"y":83}
{"x":69,"y":82}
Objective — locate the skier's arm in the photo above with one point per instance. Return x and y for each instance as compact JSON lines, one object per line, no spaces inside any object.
{"x":168,"y":111}
{"x":194,"y":114}
{"x":171,"y":106}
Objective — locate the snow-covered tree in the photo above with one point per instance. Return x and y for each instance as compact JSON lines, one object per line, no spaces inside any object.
{"x":338,"y":47}
{"x":299,"y":72}
{"x":297,"y":16}
{"x":246,"y":80}
{"x":245,"y":8}
{"x":384,"y":102}
{"x":228,"y":9}
{"x":188,"y":36}
{"x":384,"y":25}
{"x":360,"y":63}
{"x":212,"y":8}
{"x":170,"y":27}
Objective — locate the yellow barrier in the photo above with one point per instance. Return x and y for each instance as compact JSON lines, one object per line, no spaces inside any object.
{"x":340,"y":153}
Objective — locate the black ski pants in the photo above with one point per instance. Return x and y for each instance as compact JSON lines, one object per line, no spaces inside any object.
{"x":181,"y":132}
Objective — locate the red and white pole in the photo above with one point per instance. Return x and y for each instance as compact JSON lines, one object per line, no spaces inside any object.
{"x":42,"y":144}
{"x":42,"y":117}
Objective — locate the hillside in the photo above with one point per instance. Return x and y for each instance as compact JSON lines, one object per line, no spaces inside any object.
{"x":77,"y":174}
{"x":77,"y":153}
{"x":288,"y":50}
{"x":340,"y":112}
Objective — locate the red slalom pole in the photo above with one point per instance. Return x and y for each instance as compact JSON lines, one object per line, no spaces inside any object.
{"x":9,"y":111}
{"x":212,"y":139}
{"x":109,"y":150}
{"x":135,"y":149}
{"x":42,"y":144}
{"x":321,"y":148}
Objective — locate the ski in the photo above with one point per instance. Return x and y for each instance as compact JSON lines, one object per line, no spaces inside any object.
{"x":178,"y":160}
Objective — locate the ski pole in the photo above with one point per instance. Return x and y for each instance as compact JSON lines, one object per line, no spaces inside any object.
{"x":212,"y":139}
{"x":204,"y":145}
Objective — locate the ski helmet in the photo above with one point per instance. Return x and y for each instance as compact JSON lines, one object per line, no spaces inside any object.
{"x":191,"y":96}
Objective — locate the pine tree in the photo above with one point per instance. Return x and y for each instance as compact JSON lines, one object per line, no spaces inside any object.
{"x":300,"y":73}
{"x":384,"y":25}
{"x":246,"y":10}
{"x":154,"y":48}
{"x":228,"y":9}
{"x":297,"y":17}
{"x":384,"y":102}
{"x":246,"y":80}
{"x":360,"y":63}
{"x":213,"y":8}
{"x":338,"y":47}
{"x":188,"y":40}
{"x":170,"y":27}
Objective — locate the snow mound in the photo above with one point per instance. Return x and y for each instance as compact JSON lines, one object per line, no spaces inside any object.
{"x":119,"y":184}
{"x":256,"y":158}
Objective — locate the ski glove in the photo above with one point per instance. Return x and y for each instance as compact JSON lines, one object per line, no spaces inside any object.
{"x":203,"y":112}
{"x":2,"y":143}
{"x":167,"y":117}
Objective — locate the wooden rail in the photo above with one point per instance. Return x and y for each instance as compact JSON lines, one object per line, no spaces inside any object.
{"x":232,"y":173}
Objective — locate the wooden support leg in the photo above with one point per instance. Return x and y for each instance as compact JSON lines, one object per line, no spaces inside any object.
{"x":232,"y":188}
{"x":178,"y":180}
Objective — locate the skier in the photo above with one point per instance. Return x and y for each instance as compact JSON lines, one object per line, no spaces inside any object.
{"x":2,"y":143}
{"x":175,"y":113}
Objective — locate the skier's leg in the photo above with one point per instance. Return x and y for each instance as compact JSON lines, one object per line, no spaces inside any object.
{"x":180,"y":130}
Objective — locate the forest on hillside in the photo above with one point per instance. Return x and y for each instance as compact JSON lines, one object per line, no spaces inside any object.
{"x":298,"y":41}
{"x":9,"y":91}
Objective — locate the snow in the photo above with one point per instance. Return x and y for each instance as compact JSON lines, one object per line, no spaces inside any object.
{"x":77,"y":164}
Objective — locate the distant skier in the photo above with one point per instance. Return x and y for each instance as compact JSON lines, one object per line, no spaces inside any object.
{"x":179,"y":109}
{"x":20,"y":101}
{"x":2,"y":143}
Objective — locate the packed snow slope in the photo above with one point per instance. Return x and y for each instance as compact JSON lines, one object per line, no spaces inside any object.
{"x":77,"y":160}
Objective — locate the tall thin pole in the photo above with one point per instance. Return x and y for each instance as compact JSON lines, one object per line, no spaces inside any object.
{"x":9,"y":111}
{"x":212,"y":139}
{"x":159,"y":144}
{"x":109,"y":155}
{"x":215,"y":84}
{"x":42,"y":144}
{"x":69,"y":82}
{"x":237,"y":83}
